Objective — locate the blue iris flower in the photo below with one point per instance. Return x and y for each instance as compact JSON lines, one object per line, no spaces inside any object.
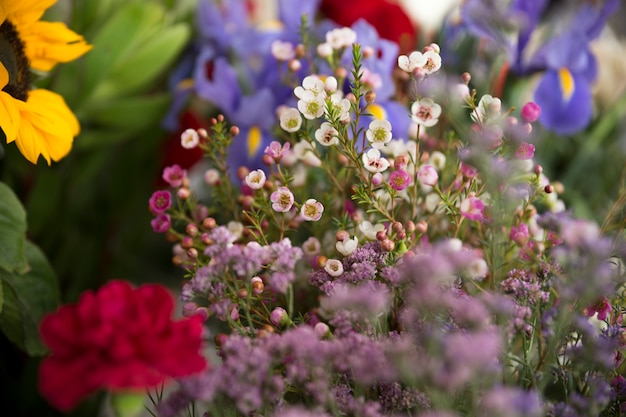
{"x":567,"y":65}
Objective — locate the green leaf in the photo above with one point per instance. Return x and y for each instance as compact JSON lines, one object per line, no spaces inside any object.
{"x":27,"y":298}
{"x":148,"y":61}
{"x":128,"y":113}
{"x":12,"y":231}
{"x":118,"y":39}
{"x":127,"y":404}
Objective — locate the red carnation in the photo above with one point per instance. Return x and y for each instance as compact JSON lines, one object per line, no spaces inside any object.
{"x":117,"y":338}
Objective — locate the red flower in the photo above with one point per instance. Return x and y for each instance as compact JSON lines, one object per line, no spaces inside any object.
{"x":117,"y":338}
{"x":390,"y":21}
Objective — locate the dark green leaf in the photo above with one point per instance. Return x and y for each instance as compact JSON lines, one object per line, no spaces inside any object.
{"x":13,"y":231}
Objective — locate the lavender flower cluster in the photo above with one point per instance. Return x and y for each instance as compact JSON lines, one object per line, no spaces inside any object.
{"x":368,"y":268}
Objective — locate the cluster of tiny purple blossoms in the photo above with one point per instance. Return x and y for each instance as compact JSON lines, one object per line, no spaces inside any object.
{"x":421,"y":279}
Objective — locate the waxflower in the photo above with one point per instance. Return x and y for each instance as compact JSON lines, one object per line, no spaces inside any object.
{"x":282,"y":51}
{"x":174,"y":175}
{"x":472,"y":207}
{"x":378,"y":133}
{"x":311,"y":210}
{"x":340,"y":105}
{"x":189,"y":139}
{"x":369,"y":230}
{"x":525,"y":151}
{"x":333,"y":267}
{"x":347,"y":246}
{"x":374,"y":162}
{"x":410,"y":63}
{"x":340,"y":38}
{"x":276,"y":151}
{"x":487,"y":110}
{"x":290,"y":120}
{"x":399,"y":179}
{"x":425,"y":112}
{"x":433,"y":61}
{"x":282,"y":199}
{"x":107,"y":341}
{"x":327,"y":135}
{"x":427,"y":175}
{"x":255,"y":179}
{"x":161,"y":223}
{"x":160,"y":201}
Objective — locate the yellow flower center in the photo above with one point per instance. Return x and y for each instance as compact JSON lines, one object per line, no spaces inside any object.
{"x":14,"y":60}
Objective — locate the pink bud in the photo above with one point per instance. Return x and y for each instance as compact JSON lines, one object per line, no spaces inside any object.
{"x":531,"y":111}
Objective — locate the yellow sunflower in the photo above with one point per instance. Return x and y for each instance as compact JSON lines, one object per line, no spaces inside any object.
{"x":39,"y":121}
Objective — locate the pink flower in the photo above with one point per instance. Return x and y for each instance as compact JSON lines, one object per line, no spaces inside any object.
{"x":519,"y":234}
{"x":525,"y":151}
{"x":531,"y":112}
{"x":161,"y":223}
{"x":399,"y":179}
{"x":428,"y":175}
{"x":117,"y":338}
{"x":472,"y":208}
{"x":276,"y":150}
{"x":282,"y":199}
{"x":160,"y":201}
{"x":174,"y":175}
{"x":312,"y":210}
{"x":602,"y":307}
{"x":425,"y":112}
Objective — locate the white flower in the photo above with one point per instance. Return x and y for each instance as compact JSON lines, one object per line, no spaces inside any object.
{"x":282,"y":199}
{"x":330,"y":84}
{"x":189,"y":139}
{"x":427,"y":175}
{"x":374,"y":162}
{"x":369,"y":230}
{"x":379,"y":133}
{"x":311,"y":210}
{"x":311,"y":247}
{"x":488,"y":108}
{"x":310,"y":83}
{"x":425,"y":112}
{"x":255,"y":179}
{"x":304,"y":152}
{"x":311,"y":106}
{"x":347,"y":246}
{"x":334,"y":267}
{"x":290,"y":120}
{"x":431,"y":202}
{"x":211,"y":176}
{"x":340,"y":38}
{"x":341,"y":106}
{"x":412,"y":62}
{"x":282,"y":51}
{"x":327,"y":135}
{"x":235,"y":229}
{"x":433,"y":62}
{"x":438,"y":160}
{"x":477,"y":269}
{"x":324,"y":50}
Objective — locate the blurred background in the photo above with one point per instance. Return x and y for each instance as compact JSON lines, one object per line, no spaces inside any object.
{"x":89,"y":212}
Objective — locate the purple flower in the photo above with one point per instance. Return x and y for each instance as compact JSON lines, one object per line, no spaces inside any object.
{"x":512,"y":402}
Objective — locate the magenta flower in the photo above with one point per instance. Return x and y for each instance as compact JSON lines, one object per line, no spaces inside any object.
{"x":399,"y":179}
{"x":276,"y":150}
{"x":160,"y":201}
{"x":282,"y":199}
{"x":525,"y":151}
{"x":519,"y":234}
{"x":530,"y":112}
{"x":472,"y":208}
{"x":174,"y":175}
{"x":602,"y":307}
{"x":161,"y":223}
{"x":427,"y":175}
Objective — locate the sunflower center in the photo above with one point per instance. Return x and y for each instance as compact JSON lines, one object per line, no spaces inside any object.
{"x":14,"y":59}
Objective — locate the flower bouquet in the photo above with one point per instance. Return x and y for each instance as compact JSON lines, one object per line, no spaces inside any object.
{"x":367,"y":235}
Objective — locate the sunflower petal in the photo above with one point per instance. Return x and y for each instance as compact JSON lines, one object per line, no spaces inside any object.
{"x":47,"y":127}
{"x":48,"y":43}
{"x":25,"y":12}
{"x":9,"y":116}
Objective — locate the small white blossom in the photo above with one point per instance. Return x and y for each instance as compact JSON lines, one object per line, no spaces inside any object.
{"x":312,"y":84}
{"x":327,"y":135}
{"x":235,"y":229}
{"x":379,"y":133}
{"x":330,"y":84}
{"x":304,"y":151}
{"x":211,"y":176}
{"x":488,"y":108}
{"x":324,"y":50}
{"x":412,"y":62}
{"x":290,"y":120}
{"x":438,"y":160}
{"x":369,"y":230}
{"x":477,"y":269}
{"x":340,"y":38}
{"x":189,"y":139}
{"x":425,"y":112}
{"x":333,"y":267}
{"x":432,"y":202}
{"x":311,"y":106}
{"x":311,"y":247}
{"x":374,"y":162}
{"x":255,"y":179}
{"x":311,"y":210}
{"x":347,"y":246}
{"x":341,"y":106}
{"x":433,"y":62}
{"x":282,"y":51}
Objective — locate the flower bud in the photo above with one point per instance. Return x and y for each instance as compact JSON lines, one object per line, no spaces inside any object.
{"x":421,"y":227}
{"x":531,"y":112}
{"x":549,"y":189}
{"x":342,"y":235}
{"x":209,"y":223}
{"x":183,"y":193}
{"x":191,"y":229}
{"x":186,"y":242}
{"x":279,"y":317}
{"x":387,"y":245}
{"x":234,"y":131}
{"x":370,"y":97}
{"x":192,"y":253}
{"x":322,"y":331}
{"x":257,"y":285}
{"x":381,"y":235}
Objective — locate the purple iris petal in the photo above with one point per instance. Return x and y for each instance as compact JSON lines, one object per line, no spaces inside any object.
{"x":221,"y":86}
{"x":562,"y":114}
{"x":291,"y":12}
{"x":218,"y":23}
